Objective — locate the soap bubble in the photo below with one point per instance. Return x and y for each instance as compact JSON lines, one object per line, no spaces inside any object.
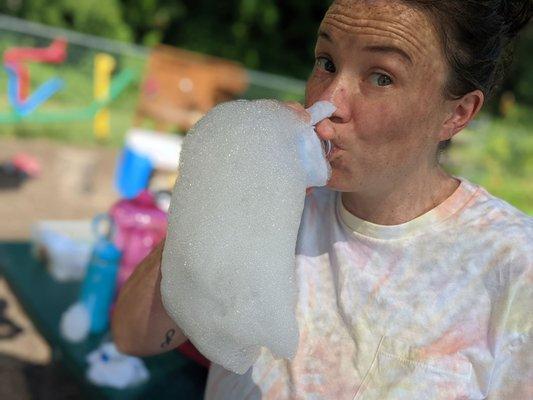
{"x":228,"y":264}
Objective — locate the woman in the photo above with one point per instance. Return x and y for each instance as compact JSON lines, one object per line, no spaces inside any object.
{"x":413,"y":284}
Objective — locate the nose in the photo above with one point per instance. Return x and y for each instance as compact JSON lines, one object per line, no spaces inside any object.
{"x":337,"y":93}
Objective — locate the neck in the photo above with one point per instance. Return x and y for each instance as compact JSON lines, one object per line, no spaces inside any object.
{"x":403,"y":201}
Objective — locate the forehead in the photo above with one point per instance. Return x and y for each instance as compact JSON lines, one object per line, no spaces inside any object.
{"x":383,"y":23}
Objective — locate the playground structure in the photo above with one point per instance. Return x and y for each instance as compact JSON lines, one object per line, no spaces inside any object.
{"x":15,"y":63}
{"x":104,"y":65}
{"x":70,"y":113}
{"x":177,"y":87}
{"x":180,"y":86}
{"x":24,"y":105}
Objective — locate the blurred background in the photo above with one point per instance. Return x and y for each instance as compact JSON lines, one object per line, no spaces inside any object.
{"x":84,"y":82}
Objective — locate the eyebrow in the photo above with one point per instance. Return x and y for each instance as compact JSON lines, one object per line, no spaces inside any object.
{"x":375,"y":49}
{"x":390,"y":49}
{"x":324,"y":35}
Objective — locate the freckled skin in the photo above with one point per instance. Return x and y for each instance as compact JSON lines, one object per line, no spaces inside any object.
{"x":386,"y":136}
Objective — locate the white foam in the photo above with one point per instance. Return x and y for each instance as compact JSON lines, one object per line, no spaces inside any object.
{"x":228,"y":264}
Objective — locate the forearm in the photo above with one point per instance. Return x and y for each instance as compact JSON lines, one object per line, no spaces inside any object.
{"x":140,"y":324}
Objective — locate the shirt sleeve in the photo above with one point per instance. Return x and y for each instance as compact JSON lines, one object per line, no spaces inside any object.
{"x":512,"y":376}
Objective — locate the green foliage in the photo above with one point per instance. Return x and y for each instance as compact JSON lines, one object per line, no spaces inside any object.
{"x":520,"y":79}
{"x":150,"y":19}
{"x":260,"y":33}
{"x":497,"y":154}
{"x":102,"y":18}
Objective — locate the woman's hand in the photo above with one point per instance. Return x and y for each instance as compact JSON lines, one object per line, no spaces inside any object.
{"x":299,"y":109}
{"x":140,"y":324}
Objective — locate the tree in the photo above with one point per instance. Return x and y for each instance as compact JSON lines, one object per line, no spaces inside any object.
{"x":79,"y":15}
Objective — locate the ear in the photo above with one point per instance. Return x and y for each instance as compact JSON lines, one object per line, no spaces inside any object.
{"x":461,"y":112}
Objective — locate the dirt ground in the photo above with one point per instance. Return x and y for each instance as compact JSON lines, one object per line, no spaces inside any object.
{"x":75,"y":183}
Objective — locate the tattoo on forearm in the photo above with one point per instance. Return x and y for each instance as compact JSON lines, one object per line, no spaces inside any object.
{"x":168,"y":338}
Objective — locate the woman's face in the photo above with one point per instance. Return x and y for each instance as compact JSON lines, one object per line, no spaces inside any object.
{"x":381,"y":64}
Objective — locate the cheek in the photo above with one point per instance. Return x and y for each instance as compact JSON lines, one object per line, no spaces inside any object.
{"x":406,"y":122}
{"x":380,"y":123}
{"x":387,"y":137}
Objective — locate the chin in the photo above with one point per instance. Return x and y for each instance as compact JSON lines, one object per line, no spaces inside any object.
{"x":344,"y":182}
{"x":337,"y":184}
{"x":340,"y":176}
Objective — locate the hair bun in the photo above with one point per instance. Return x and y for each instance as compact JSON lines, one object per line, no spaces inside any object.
{"x":516,"y":14}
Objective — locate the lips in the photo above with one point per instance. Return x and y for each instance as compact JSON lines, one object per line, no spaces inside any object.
{"x":333,"y":152}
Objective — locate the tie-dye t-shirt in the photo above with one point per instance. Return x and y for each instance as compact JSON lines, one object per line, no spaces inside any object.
{"x":436,"y":308}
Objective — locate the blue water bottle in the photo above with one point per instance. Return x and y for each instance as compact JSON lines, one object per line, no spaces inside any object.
{"x":99,"y":285}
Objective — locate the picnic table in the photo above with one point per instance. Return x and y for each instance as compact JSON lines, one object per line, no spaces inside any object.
{"x":172,"y":375}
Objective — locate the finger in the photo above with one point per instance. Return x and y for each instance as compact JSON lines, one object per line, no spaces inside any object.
{"x":320,"y":111}
{"x":299,"y":110}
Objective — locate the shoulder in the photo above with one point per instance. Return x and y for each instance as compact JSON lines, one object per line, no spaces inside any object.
{"x":504,"y":231}
{"x":494,"y":217}
{"x":500,"y":212}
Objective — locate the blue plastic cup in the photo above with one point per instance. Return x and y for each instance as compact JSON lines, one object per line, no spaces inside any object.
{"x":133,"y":173}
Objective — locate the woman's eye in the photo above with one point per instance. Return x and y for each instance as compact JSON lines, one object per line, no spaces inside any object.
{"x":325,"y":64}
{"x":379,"y":79}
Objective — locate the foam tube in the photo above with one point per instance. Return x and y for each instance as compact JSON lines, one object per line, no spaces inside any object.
{"x":228,"y":264}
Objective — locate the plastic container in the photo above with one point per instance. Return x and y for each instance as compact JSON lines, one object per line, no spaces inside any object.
{"x":139,"y":226}
{"x":66,"y":247}
{"x":98,"y":289}
{"x":144,"y":152}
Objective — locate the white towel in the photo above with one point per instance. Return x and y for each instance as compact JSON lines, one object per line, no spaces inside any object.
{"x":108,"y":367}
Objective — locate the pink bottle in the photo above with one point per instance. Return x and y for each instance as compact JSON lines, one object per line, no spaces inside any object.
{"x":140,"y":225}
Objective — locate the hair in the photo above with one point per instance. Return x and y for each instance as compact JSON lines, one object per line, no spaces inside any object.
{"x":477,"y":39}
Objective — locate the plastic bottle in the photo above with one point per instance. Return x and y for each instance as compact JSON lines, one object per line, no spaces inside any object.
{"x":140,"y":225}
{"x":99,"y":285}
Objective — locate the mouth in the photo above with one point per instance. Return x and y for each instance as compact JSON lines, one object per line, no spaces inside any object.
{"x":327,"y":146}
{"x":333,"y":151}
